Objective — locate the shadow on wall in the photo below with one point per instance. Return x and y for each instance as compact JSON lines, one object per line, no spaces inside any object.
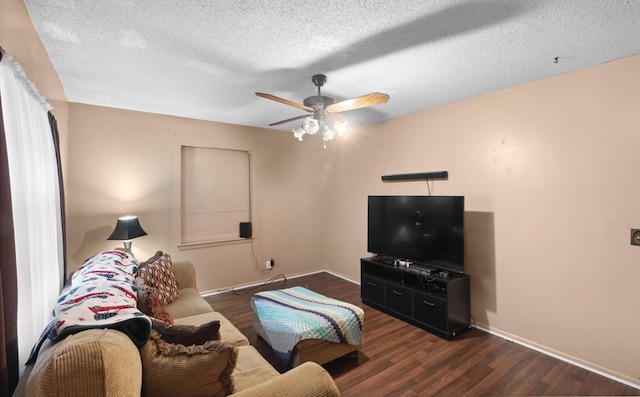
{"x":94,"y":241}
{"x":92,"y":232}
{"x":480,"y":262}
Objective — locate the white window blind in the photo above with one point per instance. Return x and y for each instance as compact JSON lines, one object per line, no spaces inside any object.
{"x":215,"y":194}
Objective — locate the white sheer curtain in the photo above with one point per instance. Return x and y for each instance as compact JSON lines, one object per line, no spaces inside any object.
{"x":35,"y":198}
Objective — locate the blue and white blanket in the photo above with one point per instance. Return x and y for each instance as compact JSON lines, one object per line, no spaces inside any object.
{"x":101,"y":294}
{"x":294,"y":314}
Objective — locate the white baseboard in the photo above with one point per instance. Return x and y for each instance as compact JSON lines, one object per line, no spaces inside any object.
{"x":560,"y":356}
{"x":266,"y":282}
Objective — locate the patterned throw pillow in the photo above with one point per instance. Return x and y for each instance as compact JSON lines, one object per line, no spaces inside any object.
{"x":153,"y":258}
{"x":149,"y":302}
{"x":157,"y":308}
{"x":158,"y":274}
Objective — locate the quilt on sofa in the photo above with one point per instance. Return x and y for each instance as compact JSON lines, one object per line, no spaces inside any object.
{"x":294,"y":314}
{"x":101,"y":294}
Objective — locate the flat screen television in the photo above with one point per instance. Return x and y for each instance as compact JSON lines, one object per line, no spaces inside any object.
{"x":425,"y":230}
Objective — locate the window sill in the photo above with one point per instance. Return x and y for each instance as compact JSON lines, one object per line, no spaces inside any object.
{"x":209,"y":244}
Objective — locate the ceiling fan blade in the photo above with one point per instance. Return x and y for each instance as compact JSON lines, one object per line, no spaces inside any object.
{"x":341,"y":117}
{"x":288,"y":120}
{"x":363,"y":101}
{"x":285,"y":101}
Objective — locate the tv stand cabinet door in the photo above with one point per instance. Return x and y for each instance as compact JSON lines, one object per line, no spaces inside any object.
{"x":372,"y":289}
{"x":430,"y":310}
{"x":398,"y":299}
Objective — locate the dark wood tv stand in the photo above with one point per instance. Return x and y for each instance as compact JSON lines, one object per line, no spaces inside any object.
{"x":435,"y":304}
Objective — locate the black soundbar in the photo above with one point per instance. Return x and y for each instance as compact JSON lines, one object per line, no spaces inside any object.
{"x":416,"y":176}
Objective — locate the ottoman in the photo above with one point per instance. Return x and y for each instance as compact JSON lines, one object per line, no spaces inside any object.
{"x":301,"y":325}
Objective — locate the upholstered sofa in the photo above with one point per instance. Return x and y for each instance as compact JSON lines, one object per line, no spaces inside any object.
{"x":105,"y":362}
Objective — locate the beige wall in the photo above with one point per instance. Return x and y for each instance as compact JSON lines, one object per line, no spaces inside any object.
{"x":20,"y":40}
{"x":126,"y":162}
{"x":549,"y":174}
{"x":547,"y":170}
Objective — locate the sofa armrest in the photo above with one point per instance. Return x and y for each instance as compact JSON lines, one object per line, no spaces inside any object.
{"x":185,"y":274}
{"x":306,"y":380}
{"x":93,"y":362}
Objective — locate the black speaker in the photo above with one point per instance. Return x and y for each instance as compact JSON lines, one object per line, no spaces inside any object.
{"x":245,"y":229}
{"x":416,"y":176}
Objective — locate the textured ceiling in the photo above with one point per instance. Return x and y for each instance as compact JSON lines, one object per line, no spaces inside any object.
{"x":206,"y":59}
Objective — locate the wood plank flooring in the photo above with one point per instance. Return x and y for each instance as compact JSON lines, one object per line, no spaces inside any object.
{"x":398,"y":359}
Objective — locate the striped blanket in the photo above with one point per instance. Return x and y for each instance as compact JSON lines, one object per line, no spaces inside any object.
{"x":294,"y":314}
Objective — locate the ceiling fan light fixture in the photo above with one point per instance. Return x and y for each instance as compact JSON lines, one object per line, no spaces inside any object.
{"x":341,"y":127}
{"x":310,"y":126}
{"x":298,"y":133}
{"x":328,"y":133}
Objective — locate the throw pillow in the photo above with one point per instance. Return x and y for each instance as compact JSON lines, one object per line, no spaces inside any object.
{"x":149,"y":302}
{"x":157,"y":308}
{"x":187,"y":335}
{"x":153,"y":258}
{"x":195,"y":371}
{"x":159,"y":274}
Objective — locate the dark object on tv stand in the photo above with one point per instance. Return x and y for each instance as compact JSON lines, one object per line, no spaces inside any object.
{"x":438,"y":305}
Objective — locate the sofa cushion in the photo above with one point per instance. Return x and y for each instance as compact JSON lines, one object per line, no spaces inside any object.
{"x":251,"y":368}
{"x":64,"y":368}
{"x":190,"y":371}
{"x":228,"y":332}
{"x":187,"y":335}
{"x":158,"y":273}
{"x":185,"y":274}
{"x":189,"y":304}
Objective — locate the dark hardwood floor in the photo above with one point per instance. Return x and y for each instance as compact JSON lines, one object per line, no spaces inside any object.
{"x":398,"y":359}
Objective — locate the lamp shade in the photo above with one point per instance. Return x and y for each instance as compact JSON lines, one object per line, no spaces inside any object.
{"x":127,"y":228}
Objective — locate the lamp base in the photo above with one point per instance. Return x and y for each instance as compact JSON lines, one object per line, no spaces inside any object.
{"x":127,"y":244}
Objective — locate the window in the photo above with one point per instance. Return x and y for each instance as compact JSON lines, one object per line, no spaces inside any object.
{"x":215,"y":194}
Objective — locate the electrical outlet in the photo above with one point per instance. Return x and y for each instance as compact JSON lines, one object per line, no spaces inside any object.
{"x":635,"y":236}
{"x":269,"y":264}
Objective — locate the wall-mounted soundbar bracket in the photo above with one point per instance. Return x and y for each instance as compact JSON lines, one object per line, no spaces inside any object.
{"x":416,"y":176}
